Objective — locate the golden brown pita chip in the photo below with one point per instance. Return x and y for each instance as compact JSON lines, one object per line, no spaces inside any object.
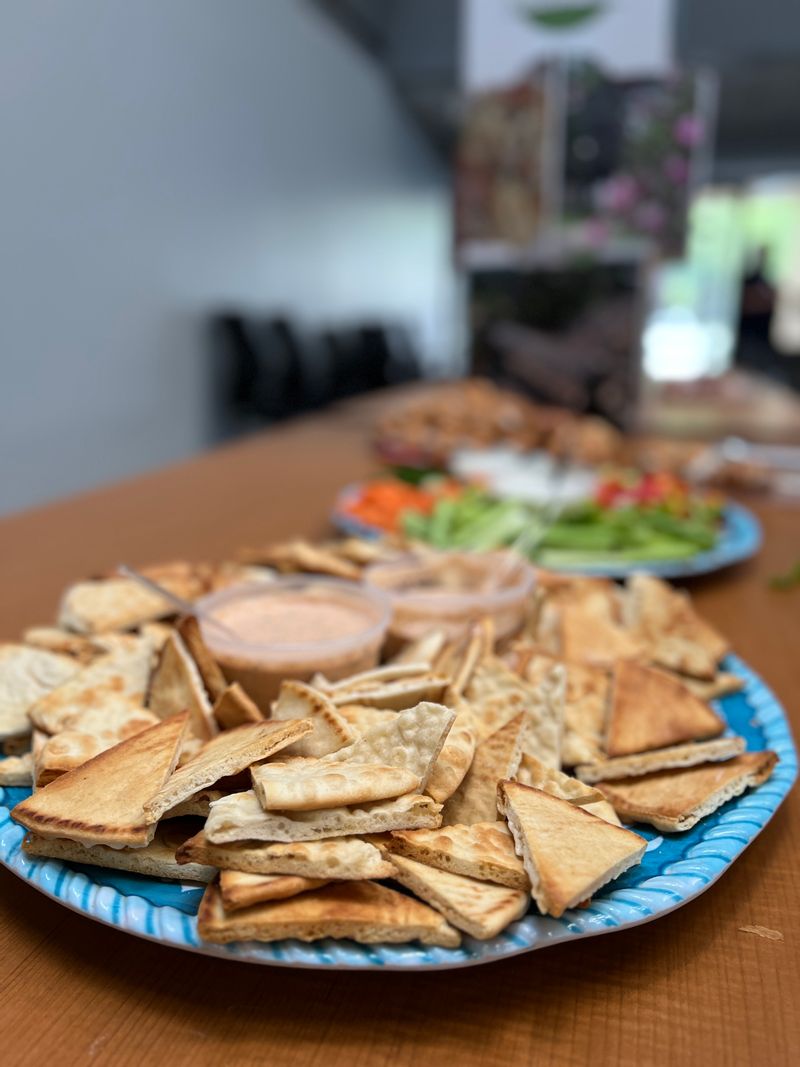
{"x":27,"y":675}
{"x":675,"y":800}
{"x":721,"y":685}
{"x":188,"y":629}
{"x":484,"y":850}
{"x":361,"y":911}
{"x":397,"y":695}
{"x":497,"y":757}
{"x":102,"y":802}
{"x":340,"y":859}
{"x":239,"y":889}
{"x":228,"y":753}
{"x":54,"y":639}
{"x":297,"y":700}
{"x":535,"y":773}
{"x":479,"y":908}
{"x":594,"y":639}
{"x":235,"y":708}
{"x":311,"y":784}
{"x":66,"y":751}
{"x":176,"y":685}
{"x":650,"y":709}
{"x":661,"y":759}
{"x":156,"y":860}
{"x":568,"y":853}
{"x":585,"y":706}
{"x":123,"y":603}
{"x":298,"y":556}
{"x":453,"y":762}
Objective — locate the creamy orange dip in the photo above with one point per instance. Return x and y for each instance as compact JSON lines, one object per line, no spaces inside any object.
{"x":290,"y":618}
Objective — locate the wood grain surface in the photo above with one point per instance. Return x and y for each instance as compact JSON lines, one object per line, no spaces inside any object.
{"x":690,"y":988}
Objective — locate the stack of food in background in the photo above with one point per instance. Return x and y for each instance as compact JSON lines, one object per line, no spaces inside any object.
{"x":446,"y":791}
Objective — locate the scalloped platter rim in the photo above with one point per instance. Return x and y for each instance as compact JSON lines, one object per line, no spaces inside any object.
{"x":676,"y":869}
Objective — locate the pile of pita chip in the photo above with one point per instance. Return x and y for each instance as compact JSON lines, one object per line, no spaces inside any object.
{"x":438,"y":795}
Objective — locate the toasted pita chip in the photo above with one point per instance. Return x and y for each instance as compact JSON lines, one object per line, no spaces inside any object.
{"x":593,"y":638}
{"x":376,"y":676}
{"x":122,"y":603}
{"x":54,"y":639}
{"x":342,"y":858}
{"x":479,"y":645}
{"x":17,"y":770}
{"x":176,"y":685}
{"x":412,"y":741}
{"x":399,"y":695}
{"x":497,"y":757}
{"x":26,"y":676}
{"x":479,"y":908}
{"x":114,"y":722}
{"x":228,"y":753}
{"x":156,"y":860}
{"x":664,"y":620}
{"x":240,"y":817}
{"x":296,"y":556}
{"x":199,"y":805}
{"x":453,"y":762}
{"x":534,"y":773}
{"x":677,"y":799}
{"x":66,"y":751}
{"x":102,"y":802}
{"x":661,"y":759}
{"x":424,"y":650}
{"x":235,"y":708}
{"x":330,"y":731}
{"x":214,"y":681}
{"x":361,"y":911}
{"x":568,"y":853}
{"x":721,"y":685}
{"x":585,"y":705}
{"x":484,"y":850}
{"x":312,"y":784}
{"x":239,"y":889}
{"x":650,"y":709}
{"x":496,"y":694}
{"x":362,"y":718}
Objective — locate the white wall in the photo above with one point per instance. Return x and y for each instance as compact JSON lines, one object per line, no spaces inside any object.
{"x":628,"y":37}
{"x":159,"y":158}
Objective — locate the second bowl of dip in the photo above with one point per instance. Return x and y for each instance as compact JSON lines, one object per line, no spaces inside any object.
{"x":451,"y":590}
{"x":292,"y":628}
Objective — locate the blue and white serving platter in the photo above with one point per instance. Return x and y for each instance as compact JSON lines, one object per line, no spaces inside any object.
{"x":676,"y":868}
{"x":739,"y":539}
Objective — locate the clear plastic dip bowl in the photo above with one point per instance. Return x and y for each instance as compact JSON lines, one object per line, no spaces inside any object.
{"x":292,"y":628}
{"x":450,"y":590}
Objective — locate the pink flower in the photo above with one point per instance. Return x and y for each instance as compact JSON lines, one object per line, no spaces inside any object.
{"x":596,"y":232}
{"x":618,"y":193}
{"x":676,"y":169}
{"x":689,"y":130}
{"x":650,"y":216}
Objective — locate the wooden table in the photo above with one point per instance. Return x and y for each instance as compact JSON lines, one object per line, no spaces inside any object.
{"x":691,"y":988}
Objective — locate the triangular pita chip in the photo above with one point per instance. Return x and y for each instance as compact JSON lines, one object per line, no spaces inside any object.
{"x":234,"y":707}
{"x":156,"y":860}
{"x":310,"y":784}
{"x":497,"y":757}
{"x":26,"y":676}
{"x":54,"y":639}
{"x":17,"y":770}
{"x":676,"y":800}
{"x":102,"y":802}
{"x":122,"y":603}
{"x":67,"y":750}
{"x":362,"y":718}
{"x":240,"y":817}
{"x":484,"y":850}
{"x":118,"y":677}
{"x":568,"y":853}
{"x":585,"y":706}
{"x":397,"y":695}
{"x":453,"y":761}
{"x":361,"y":911}
{"x":594,"y":639}
{"x":240,"y":889}
{"x":342,"y":858}
{"x":228,"y":753}
{"x":534,"y":773}
{"x":479,"y":645}
{"x":661,"y":759}
{"x":651,"y":709}
{"x":412,"y":740}
{"x":114,"y":721}
{"x":213,"y":679}
{"x":177,"y":686}
{"x":479,"y":908}
{"x":297,"y":700}
{"x":721,"y":685}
